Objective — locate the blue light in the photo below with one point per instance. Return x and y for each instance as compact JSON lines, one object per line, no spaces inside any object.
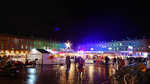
{"x":56,"y":29}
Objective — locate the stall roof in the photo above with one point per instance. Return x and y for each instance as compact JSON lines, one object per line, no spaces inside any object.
{"x":42,"y":51}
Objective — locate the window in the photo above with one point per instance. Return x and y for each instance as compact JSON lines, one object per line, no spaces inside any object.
{"x":117,"y":48}
{"x":17,"y":40}
{"x":7,"y":40}
{"x":34,"y":47}
{"x":137,"y":43}
{"x":17,"y":46}
{"x":142,"y":48}
{"x":123,"y":44}
{"x":30,"y":42}
{"x":47,"y":47}
{"x":120,"y":44}
{"x":38,"y":43}
{"x":51,"y":44}
{"x":41,"y":43}
{"x":7,"y":45}
{"x":45,"y":44}
{"x":2,"y":39}
{"x":21,"y":46}
{"x":26,"y":46}
{"x":22,"y":41}
{"x":141,"y":42}
{"x":133,"y":43}
{"x":13,"y":40}
{"x":30,"y":47}
{"x":117,"y":44}
{"x":44,"y":47}
{"x":130,"y":43}
{"x":26,"y":42}
{"x":12,"y":46}
{"x":48,"y":44}
{"x":126,"y":44}
{"x":120,"y":48}
{"x":41,"y":47}
{"x":34,"y":43}
{"x":107,"y":44}
{"x":114,"y":49}
{"x":1,"y":46}
{"x":114,"y":44}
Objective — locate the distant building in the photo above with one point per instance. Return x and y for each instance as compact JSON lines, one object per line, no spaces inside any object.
{"x":126,"y":47}
{"x":19,"y":45}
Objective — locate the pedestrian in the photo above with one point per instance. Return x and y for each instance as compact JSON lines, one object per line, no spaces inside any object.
{"x":80,"y":67}
{"x":68,"y":62}
{"x":147,"y":76}
{"x":118,"y":59}
{"x":0,"y":59}
{"x":114,"y":62}
{"x":106,"y":60}
{"x":141,"y":73}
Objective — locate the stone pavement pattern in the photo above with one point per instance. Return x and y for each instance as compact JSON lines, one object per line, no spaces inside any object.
{"x":56,"y":74}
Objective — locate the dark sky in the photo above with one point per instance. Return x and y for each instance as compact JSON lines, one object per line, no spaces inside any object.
{"x":82,"y":21}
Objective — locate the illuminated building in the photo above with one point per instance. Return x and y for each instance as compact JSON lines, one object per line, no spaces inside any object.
{"x":19,"y":46}
{"x":127,"y":47}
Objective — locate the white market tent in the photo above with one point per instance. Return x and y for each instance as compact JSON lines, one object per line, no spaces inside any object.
{"x":41,"y":54}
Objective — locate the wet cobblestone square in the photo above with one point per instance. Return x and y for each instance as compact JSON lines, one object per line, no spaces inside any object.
{"x":56,"y":74}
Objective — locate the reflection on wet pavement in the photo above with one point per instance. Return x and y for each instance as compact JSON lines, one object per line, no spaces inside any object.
{"x":57,"y":74}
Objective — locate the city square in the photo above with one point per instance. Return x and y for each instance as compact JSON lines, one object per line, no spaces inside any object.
{"x":75,"y":42}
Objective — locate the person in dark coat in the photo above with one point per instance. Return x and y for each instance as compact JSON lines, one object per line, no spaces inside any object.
{"x":114,"y":60}
{"x":68,"y":62}
{"x":141,"y":73}
{"x":106,"y":60}
{"x":147,"y":76}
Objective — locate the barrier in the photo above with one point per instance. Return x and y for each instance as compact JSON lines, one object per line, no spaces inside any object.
{"x":123,"y":62}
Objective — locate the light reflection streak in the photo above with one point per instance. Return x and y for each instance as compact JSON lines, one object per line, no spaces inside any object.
{"x":32,"y":76}
{"x":91,"y":71}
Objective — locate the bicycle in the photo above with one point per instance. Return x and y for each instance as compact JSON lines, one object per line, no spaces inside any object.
{"x":121,"y":75}
{"x":130,"y":76}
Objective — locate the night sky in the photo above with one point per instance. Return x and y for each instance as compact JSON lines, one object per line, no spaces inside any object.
{"x":77,"y":21}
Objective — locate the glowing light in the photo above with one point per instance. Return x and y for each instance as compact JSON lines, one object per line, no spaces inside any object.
{"x":145,"y":54}
{"x":33,"y":50}
{"x":68,"y":45}
{"x":130,"y":47}
{"x":92,"y":48}
{"x":109,"y":48}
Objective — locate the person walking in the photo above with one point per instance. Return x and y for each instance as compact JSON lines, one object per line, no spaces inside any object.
{"x":68,"y":62}
{"x":80,"y":68}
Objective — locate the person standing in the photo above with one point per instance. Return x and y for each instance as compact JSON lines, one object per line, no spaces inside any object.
{"x":0,"y":58}
{"x":114,"y":62}
{"x":68,"y":62}
{"x":80,"y":67}
{"x":106,"y":60}
{"x":118,"y":59}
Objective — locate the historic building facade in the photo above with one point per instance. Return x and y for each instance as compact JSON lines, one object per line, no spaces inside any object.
{"x":137,"y":47}
{"x":19,"y":45}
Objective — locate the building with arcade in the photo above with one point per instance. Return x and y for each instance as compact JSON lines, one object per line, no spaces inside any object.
{"x":138,"y":47}
{"x":13,"y":45}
